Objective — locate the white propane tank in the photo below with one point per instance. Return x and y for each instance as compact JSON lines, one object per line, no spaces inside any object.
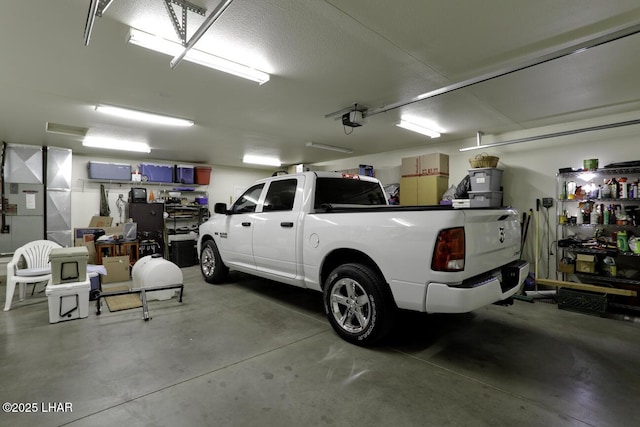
{"x":149,"y":272}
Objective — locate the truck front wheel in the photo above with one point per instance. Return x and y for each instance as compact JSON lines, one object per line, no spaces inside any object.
{"x":357,"y":305}
{"x":211,"y":265}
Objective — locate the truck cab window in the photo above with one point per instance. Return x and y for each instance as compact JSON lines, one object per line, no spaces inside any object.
{"x":280,"y":195}
{"x":248,"y":201}
{"x":348,"y":191}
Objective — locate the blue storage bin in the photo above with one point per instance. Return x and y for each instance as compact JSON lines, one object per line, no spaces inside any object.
{"x":185,"y":174}
{"x":156,"y":173}
{"x":110,"y":171}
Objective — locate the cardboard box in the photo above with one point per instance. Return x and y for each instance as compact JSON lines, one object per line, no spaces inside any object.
{"x":434,"y":164}
{"x":410,"y":166}
{"x":84,"y":237}
{"x":566,"y":268}
{"x":117,"y":269}
{"x":409,"y":190}
{"x":431,"y":189}
{"x":101,"y":221}
{"x":422,"y":190}
{"x":585,"y":263}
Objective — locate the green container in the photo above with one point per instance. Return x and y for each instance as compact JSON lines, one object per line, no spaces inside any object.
{"x":590,"y":164}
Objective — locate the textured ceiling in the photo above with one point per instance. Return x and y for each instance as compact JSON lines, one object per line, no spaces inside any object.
{"x":324,"y":56}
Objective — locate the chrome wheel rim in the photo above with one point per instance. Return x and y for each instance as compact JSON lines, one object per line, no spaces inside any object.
{"x":350,"y":305}
{"x":207,"y":262}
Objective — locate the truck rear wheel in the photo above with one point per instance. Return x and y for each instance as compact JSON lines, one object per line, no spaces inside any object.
{"x":357,"y":304}
{"x":211,"y":265}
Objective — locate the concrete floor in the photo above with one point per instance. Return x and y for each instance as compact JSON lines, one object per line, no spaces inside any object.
{"x":256,"y":353}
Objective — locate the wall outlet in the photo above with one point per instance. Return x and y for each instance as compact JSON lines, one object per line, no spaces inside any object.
{"x":547,"y":202}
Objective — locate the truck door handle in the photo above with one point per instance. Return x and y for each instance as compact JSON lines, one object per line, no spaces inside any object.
{"x":286,"y":224}
{"x":246,"y":224}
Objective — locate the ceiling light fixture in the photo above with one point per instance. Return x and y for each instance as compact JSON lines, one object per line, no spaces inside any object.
{"x":115,"y":144}
{"x":261,"y":160}
{"x":422,"y":126}
{"x":329,"y":147}
{"x":63,"y":129}
{"x":158,"y":44}
{"x":143,"y":116}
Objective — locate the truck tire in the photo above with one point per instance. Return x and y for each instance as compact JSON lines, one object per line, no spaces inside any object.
{"x":211,"y":265}
{"x":358,"y":305}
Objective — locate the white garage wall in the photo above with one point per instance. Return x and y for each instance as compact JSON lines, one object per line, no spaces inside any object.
{"x":85,"y":199}
{"x":530,"y":168}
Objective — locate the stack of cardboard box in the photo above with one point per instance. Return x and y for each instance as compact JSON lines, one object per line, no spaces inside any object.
{"x":117,"y":266}
{"x":424,"y":179}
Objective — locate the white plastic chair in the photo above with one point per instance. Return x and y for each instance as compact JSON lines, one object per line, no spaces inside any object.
{"x":34,"y":268}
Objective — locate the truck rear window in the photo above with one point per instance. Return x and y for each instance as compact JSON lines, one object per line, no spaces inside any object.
{"x":348,"y":191}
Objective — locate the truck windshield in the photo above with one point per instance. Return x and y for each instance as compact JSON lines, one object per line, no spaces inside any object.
{"x":337,"y":191}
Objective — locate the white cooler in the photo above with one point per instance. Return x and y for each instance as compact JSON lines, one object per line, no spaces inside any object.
{"x":68,"y":301}
{"x":150,"y":271}
{"x":69,"y":265}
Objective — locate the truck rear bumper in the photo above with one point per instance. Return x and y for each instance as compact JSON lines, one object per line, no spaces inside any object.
{"x":443,"y":298}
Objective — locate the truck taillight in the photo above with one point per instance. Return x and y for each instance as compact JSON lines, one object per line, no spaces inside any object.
{"x":448,"y":254}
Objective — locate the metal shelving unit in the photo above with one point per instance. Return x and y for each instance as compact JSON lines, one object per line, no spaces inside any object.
{"x":624,"y":290}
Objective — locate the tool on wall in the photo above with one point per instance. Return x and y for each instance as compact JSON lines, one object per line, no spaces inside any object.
{"x":104,"y":202}
{"x":120,"y":203}
{"x":526,"y":219}
{"x":5,"y":226}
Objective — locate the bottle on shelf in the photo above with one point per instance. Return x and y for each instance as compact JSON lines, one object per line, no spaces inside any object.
{"x":610,"y":266}
{"x":606,"y":190}
{"x":594,"y":215}
{"x":607,"y":215}
{"x":623,"y":242}
{"x":624,"y":188}
{"x":613,"y":184}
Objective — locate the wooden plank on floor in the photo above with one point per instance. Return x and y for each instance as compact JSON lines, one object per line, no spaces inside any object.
{"x":586,"y":287}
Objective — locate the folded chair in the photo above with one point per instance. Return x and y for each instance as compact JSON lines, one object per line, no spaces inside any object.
{"x":30,"y":264}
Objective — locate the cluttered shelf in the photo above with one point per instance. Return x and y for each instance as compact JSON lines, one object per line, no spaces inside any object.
{"x":568,"y":173}
{"x":600,"y":250}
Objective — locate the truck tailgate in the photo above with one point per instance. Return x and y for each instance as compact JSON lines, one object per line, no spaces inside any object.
{"x":492,"y":238}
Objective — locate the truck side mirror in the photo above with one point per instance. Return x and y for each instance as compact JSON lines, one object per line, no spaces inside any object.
{"x":220,"y":208}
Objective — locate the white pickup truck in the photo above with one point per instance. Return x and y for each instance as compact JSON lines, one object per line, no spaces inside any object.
{"x":336,"y":234}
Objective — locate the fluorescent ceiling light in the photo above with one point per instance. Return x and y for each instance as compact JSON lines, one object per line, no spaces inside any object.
{"x":260,"y":160}
{"x":329,"y":147}
{"x":171,"y":48}
{"x":63,"y":129}
{"x":422,"y":126}
{"x":115,"y":144}
{"x":143,"y":116}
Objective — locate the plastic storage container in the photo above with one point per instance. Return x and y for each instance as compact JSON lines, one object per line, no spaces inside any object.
{"x":109,"y":171}
{"x":69,"y":264}
{"x":68,"y":301}
{"x":152,"y":172}
{"x":485,"y":199}
{"x":185,"y":174}
{"x":183,"y":253}
{"x":485,"y":179}
{"x":202,"y":175}
{"x":150,"y":271}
